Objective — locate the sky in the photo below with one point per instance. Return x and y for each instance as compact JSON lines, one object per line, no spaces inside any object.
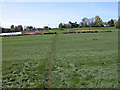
{"x":40,"y":14}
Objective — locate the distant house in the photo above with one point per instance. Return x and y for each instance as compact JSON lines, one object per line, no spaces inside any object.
{"x":106,"y":25}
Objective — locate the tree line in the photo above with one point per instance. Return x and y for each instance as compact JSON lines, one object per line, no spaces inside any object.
{"x":12,"y":29}
{"x":86,"y":22}
{"x":91,"y":22}
{"x":19,"y":28}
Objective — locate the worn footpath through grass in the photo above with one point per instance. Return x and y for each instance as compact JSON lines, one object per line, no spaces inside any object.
{"x":24,"y":60}
{"x":48,"y":69}
{"x":85,"y":60}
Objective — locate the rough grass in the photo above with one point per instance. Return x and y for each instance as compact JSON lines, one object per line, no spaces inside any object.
{"x":84,"y":60}
{"x":24,"y":60}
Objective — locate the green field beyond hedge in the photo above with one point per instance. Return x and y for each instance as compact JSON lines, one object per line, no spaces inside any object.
{"x":86,"y":28}
{"x":83,"y":60}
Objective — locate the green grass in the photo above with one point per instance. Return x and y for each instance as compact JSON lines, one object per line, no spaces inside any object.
{"x":25,"y":59}
{"x":86,"y":28}
{"x":84,"y":60}
{"x":81,"y":62}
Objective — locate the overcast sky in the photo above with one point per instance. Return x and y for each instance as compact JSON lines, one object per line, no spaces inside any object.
{"x":39,"y":14}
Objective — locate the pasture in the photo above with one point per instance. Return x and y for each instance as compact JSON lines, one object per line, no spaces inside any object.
{"x":83,"y":60}
{"x":86,"y":28}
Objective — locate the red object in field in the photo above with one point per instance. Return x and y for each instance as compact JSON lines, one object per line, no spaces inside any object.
{"x":37,"y":32}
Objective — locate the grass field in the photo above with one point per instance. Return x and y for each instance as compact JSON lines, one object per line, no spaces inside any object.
{"x":86,"y":28}
{"x":25,"y":60}
{"x":85,"y":60}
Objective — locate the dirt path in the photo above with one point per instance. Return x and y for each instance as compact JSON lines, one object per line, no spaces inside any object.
{"x":47,"y":73}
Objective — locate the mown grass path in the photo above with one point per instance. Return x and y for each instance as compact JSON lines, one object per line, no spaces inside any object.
{"x":47,"y":74}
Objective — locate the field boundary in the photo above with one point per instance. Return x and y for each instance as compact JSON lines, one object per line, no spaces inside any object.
{"x":0,"y":60}
{"x":47,"y":73}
